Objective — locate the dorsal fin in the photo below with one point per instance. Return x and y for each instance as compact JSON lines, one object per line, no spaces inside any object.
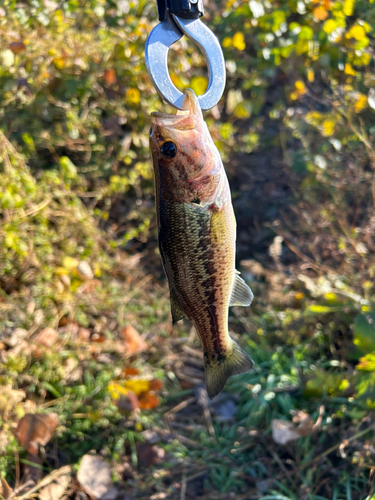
{"x":176,"y":310}
{"x":241,"y":293}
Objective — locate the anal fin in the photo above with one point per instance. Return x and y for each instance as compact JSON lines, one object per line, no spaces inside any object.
{"x":176,"y":310}
{"x":241,"y":293}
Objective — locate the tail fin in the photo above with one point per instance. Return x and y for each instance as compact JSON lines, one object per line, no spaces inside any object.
{"x":236,"y":361}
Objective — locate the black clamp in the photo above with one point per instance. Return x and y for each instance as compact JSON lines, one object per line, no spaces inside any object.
{"x":186,"y":9}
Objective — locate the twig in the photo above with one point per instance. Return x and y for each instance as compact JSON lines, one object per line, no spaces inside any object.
{"x":183,"y":485}
{"x":44,"y":482}
{"x":180,"y":407}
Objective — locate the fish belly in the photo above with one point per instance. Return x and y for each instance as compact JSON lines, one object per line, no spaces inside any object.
{"x":198,"y":251}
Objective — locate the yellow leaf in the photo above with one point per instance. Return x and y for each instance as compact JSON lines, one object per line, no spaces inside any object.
{"x":58,"y":62}
{"x":330,"y":296}
{"x":362,"y":60}
{"x":344,"y":384}
{"x":348,"y":7}
{"x":320,"y":13}
{"x":61,"y":270}
{"x":133,"y":96}
{"x":360,"y":104}
{"x":199,"y":84}
{"x":242,"y":110}
{"x":294,"y":96}
{"x":310,"y":75}
{"x":137,"y":386}
{"x":357,"y":32}
{"x":227,"y":42}
{"x":329,"y":26}
{"x":314,"y":118}
{"x":349,"y":70}
{"x":328,"y":127}
{"x":300,"y":87}
{"x":70,"y":263}
{"x":116,"y":390}
{"x":122,"y":387}
{"x":239,"y":41}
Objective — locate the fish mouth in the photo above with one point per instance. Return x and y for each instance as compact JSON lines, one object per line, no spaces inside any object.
{"x":185,"y":119}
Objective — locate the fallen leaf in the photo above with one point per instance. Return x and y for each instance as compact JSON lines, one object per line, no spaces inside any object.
{"x":304,"y":421}
{"x":284,"y":431}
{"x":46,"y":337}
{"x":109,"y":76}
{"x":134,"y":342}
{"x":35,"y":430}
{"x":94,"y":475}
{"x":148,"y":401}
{"x":56,"y":489}
{"x":17,"y":47}
{"x":149,"y":455}
{"x":83,"y":335}
{"x":156,"y":385}
{"x":5,"y":489}
{"x":130,"y":371}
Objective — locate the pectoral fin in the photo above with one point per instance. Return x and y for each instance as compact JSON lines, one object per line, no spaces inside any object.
{"x":241,"y":293}
{"x":176,"y":310}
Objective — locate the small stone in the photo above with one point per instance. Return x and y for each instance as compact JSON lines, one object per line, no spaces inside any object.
{"x":30,"y":307}
{"x":16,"y":336}
{"x":84,"y":270}
{"x":65,"y":280}
{"x":38,"y":317}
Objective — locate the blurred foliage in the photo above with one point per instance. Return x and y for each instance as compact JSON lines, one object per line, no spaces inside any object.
{"x":76,"y":191}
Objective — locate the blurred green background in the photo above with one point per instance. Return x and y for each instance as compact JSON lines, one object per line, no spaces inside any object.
{"x":79,"y":258}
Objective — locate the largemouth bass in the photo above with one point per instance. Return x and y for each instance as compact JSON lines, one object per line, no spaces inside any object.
{"x":197,"y":234}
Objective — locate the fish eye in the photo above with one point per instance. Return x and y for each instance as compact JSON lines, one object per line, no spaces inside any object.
{"x":169,"y":149}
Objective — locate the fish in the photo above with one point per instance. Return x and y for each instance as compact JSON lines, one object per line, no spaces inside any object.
{"x":197,"y":237}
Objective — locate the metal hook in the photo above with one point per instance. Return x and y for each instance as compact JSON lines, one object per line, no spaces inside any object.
{"x":166,"y":34}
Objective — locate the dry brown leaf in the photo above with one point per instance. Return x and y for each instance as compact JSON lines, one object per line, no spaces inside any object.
{"x":284,"y":431}
{"x":46,"y":337}
{"x":148,"y":401}
{"x":130,"y":371}
{"x":134,"y":342}
{"x":305,"y":423}
{"x":5,"y":489}
{"x":56,"y":489}
{"x":35,"y":430}
{"x":109,"y":76}
{"x":156,"y":384}
{"x":94,"y":475}
{"x":83,"y":335}
{"x":149,"y":455}
{"x":17,"y":47}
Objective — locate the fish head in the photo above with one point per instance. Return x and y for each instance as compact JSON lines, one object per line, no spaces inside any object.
{"x":182,"y":148}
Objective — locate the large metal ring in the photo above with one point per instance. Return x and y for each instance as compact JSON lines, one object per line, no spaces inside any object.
{"x":166,"y":34}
